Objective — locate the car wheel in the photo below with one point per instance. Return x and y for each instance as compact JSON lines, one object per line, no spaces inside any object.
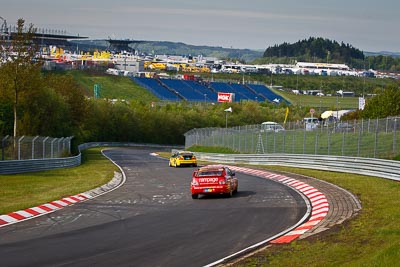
{"x":169,"y":164}
{"x":194,"y":165}
{"x":230,"y":194}
{"x":195,"y":196}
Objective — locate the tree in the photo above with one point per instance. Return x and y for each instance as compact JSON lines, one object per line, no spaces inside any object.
{"x":20,"y":69}
{"x":72,"y":96}
{"x":383,"y":105}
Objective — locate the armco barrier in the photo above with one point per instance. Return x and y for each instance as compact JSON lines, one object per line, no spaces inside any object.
{"x":23,"y":166}
{"x":388,"y":169}
{"x":33,"y":165}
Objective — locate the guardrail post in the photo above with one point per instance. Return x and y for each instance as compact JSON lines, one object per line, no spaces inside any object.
{"x":274,"y":142}
{"x":58,"y":147}
{"x":44,"y":146}
{"x":52,"y":147}
{"x":19,"y":147}
{"x":284,"y":142}
{"x":33,"y":146}
{"x":240,"y":138}
{"x":69,"y":144}
{"x":376,"y":137}
{"x":329,"y":143}
{"x":3,"y":146}
{"x":359,"y":140}
{"x":369,"y":123}
{"x":233,"y":142}
{"x":394,"y":136}
{"x":343,"y":141}
{"x":293,"y":142}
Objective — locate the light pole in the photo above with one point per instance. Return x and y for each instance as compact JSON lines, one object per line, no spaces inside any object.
{"x":226,"y":116}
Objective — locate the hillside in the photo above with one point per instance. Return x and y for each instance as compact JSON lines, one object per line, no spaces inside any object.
{"x":112,"y":87}
{"x":316,"y":50}
{"x":172,"y":48}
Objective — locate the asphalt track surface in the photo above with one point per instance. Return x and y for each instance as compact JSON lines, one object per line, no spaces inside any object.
{"x":152,"y":221}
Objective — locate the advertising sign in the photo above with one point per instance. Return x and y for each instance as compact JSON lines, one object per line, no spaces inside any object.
{"x":225,"y":97}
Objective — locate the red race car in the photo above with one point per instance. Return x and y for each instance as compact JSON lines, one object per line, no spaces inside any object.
{"x":214,"y":179}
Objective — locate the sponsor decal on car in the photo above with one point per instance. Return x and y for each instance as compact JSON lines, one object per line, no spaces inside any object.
{"x":208,"y":180}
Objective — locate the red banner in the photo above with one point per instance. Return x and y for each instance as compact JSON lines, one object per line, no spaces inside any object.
{"x":224,"y":97}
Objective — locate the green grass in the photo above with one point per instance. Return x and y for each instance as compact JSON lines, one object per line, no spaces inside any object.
{"x":224,"y":150}
{"x":22,"y":191}
{"x":320,"y":103}
{"x":112,"y":87}
{"x":370,"y":239}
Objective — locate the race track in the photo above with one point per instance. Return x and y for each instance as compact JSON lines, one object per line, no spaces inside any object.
{"x":152,"y":221}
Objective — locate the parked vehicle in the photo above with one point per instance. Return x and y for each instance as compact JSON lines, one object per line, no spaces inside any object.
{"x":344,"y":127}
{"x":310,"y":124}
{"x":270,"y":126}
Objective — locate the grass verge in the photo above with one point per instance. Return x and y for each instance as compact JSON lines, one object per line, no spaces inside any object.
{"x":27,"y":190}
{"x":370,"y":239}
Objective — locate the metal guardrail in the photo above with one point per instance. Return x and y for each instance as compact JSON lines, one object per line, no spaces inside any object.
{"x":388,"y":169}
{"x":33,"y":165}
{"x":24,"y":166}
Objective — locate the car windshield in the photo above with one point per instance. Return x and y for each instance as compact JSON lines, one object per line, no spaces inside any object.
{"x":209,"y":173}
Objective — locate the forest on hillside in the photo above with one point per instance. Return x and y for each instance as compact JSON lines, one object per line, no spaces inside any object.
{"x":324,"y":50}
{"x":316,"y":49}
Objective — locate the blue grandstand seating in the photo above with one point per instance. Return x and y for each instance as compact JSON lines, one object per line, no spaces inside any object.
{"x":158,"y":90}
{"x":176,"y":90}
{"x":183,"y":89}
{"x":241,"y":92}
{"x":203,"y":89}
{"x":245,"y":92}
{"x":266,"y":92}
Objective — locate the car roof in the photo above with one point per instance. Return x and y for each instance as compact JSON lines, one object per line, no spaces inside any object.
{"x":269,"y":122}
{"x":185,"y":152}
{"x":211,"y":167}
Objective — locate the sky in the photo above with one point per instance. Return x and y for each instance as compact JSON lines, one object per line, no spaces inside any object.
{"x":371,"y":26}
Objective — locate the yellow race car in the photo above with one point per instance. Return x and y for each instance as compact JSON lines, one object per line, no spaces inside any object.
{"x":182,"y":158}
